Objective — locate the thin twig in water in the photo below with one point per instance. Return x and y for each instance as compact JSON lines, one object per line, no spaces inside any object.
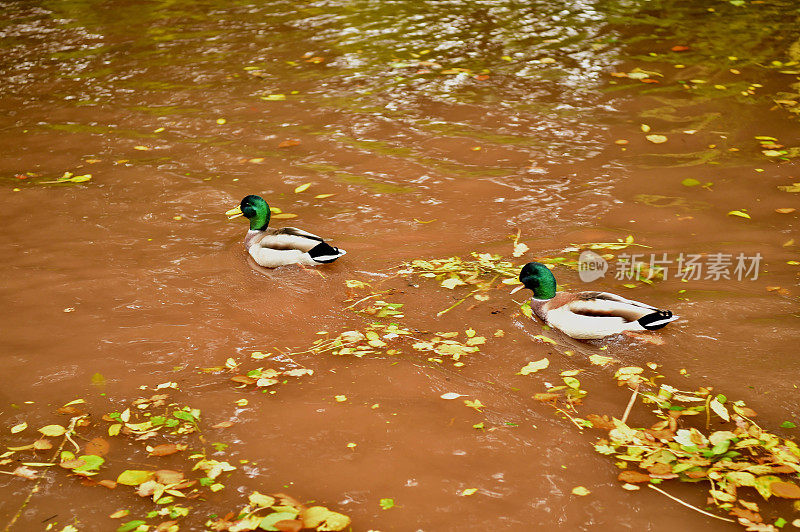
{"x":630,"y":403}
{"x":574,"y":421}
{"x":365,"y":298}
{"x":457,"y":303}
{"x":689,"y":505}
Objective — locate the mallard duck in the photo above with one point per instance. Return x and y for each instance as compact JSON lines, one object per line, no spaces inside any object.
{"x":280,"y":247}
{"x":587,"y":315}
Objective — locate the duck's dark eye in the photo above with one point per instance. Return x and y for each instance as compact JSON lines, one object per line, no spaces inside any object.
{"x":248,"y":211}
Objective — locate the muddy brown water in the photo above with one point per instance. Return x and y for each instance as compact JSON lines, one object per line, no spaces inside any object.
{"x":137,"y":276}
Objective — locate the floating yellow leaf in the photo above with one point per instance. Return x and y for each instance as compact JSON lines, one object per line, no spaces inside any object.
{"x":19,"y":428}
{"x":302,"y":188}
{"x":533,"y":367}
{"x":141,"y":148}
{"x":134,"y":477}
{"x":476,"y":404}
{"x":53,"y":430}
{"x":261,"y":500}
{"x":321,"y":518}
{"x":469,"y":491}
{"x":241,"y":402}
{"x":580,"y":490}
{"x":221,"y":121}
{"x":520,"y":249}
{"x":544,"y":339}
{"x":656,"y":139}
{"x":740,"y":214}
{"x":452,"y":282}
{"x":340,"y":398}
{"x":601,"y":360}
{"x":323,"y":196}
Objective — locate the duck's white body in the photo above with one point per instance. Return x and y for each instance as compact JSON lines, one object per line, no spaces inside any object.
{"x":592,"y":315}
{"x":273,"y":248}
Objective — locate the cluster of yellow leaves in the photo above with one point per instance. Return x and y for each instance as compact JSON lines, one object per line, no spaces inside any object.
{"x":287,"y":514}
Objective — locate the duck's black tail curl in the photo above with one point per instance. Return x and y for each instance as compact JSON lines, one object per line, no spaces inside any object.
{"x":325,"y":253}
{"x":656,"y":320}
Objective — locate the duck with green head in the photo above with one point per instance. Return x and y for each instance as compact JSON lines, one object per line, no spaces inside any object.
{"x":272,"y":248}
{"x":587,"y":315}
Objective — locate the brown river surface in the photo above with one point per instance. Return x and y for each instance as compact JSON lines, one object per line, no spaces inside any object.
{"x":440,"y":128}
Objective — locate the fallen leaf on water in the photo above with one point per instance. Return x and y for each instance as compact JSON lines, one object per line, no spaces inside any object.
{"x":323,"y":196}
{"x":544,"y":339}
{"x":241,"y":402}
{"x":134,"y":477}
{"x":288,"y":143}
{"x":274,"y":97}
{"x":794,"y":187}
{"x":25,"y":472}
{"x":679,"y":48}
{"x":387,"y":503}
{"x":633,"y":477}
{"x":601,"y":360}
{"x":520,"y":249}
{"x":302,"y":188}
{"x":785,"y":490}
{"x":222,"y":425}
{"x":656,"y":139}
{"x":740,"y":214}
{"x":141,"y":148}
{"x":321,"y":518}
{"x":168,"y":476}
{"x":256,"y":160}
{"x":452,"y":282}
{"x":119,"y":513}
{"x":580,"y":490}
{"x":166,"y":449}
{"x":468,"y":491}
{"x":533,"y":367}
{"x":451,"y":395}
{"x":340,"y":398}
{"x":19,"y":428}
{"x":53,"y":430}
{"x":221,"y":121}
{"x":476,"y":404}
{"x":785,"y":210}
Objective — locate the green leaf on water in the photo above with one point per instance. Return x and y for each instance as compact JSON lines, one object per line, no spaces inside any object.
{"x":533,"y":367}
{"x":268,"y":523}
{"x":134,"y":477}
{"x":131,"y":525}
{"x":788,"y":425}
{"x":690,"y":182}
{"x":387,"y":503}
{"x":92,"y":462}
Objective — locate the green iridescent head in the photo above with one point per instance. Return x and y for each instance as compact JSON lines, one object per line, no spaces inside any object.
{"x":255,"y":209}
{"x":537,"y":277}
